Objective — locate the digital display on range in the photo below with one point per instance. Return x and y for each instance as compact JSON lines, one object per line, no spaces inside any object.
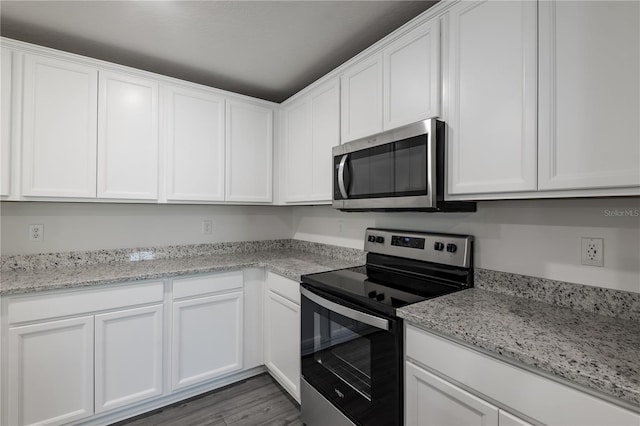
{"x":410,"y":242}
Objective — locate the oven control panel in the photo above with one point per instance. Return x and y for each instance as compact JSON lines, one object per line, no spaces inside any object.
{"x":448,"y":249}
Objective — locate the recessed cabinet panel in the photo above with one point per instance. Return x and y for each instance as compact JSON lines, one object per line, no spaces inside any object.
{"x":311,"y":130}
{"x":282,"y":341}
{"x":589,"y":94}
{"x":195,"y":126}
{"x":412,"y":76}
{"x":128,"y":137}
{"x":492,"y":97}
{"x":59,"y":128}
{"x":207,"y":338}
{"x":362,"y":99}
{"x":128,"y":360}
{"x":507,"y":419}
{"x":5,"y":123}
{"x":51,"y":372}
{"x":249,"y":147}
{"x":431,"y":401}
{"x":299,"y":151}
{"x":325,"y":134}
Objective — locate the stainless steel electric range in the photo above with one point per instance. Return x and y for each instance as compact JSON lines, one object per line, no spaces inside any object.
{"x":351,"y":337}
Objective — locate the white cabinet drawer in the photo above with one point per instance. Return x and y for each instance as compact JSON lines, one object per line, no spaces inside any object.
{"x":206,"y":284}
{"x":518,"y":389}
{"x":285,"y":287}
{"x":77,"y":302}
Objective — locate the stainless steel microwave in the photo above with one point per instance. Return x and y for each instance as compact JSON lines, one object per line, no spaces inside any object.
{"x":400,"y":169}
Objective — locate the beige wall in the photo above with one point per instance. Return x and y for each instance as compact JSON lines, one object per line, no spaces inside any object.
{"x":89,"y":226}
{"x":533,"y":237}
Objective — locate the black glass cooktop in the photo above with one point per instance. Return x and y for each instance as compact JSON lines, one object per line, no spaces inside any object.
{"x":377,"y":289}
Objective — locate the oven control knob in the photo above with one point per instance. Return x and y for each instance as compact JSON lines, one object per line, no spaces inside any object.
{"x":438,"y":246}
{"x":380,"y":240}
{"x":372,"y":294}
{"x":372,"y":239}
{"x":451,"y":248}
{"x":380,"y":297}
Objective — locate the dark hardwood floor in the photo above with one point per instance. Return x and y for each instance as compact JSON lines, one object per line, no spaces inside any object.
{"x":255,"y":401}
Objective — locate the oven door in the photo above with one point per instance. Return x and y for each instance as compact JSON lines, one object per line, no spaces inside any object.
{"x":352,"y":358}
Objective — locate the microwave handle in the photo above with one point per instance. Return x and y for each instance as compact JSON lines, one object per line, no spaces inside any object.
{"x":341,"y":185}
{"x":371,"y":320}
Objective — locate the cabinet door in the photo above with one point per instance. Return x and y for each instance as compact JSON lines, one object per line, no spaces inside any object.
{"x":50,"y":366}
{"x":325,"y":134}
{"x":412,"y":76}
{"x":492,"y":104}
{"x":507,"y":419}
{"x":195,"y":145}
{"x":249,"y":147}
{"x":128,"y":359}
{"x":589,"y":103}
{"x":127,"y":137}
{"x":282,"y":342}
{"x":361,"y":106}
{"x":207,"y":338}
{"x":5,"y":122}
{"x":298,"y":151}
{"x":59,"y":128}
{"x":432,"y":401}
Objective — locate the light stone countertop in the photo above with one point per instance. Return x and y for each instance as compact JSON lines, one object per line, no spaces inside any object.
{"x":289,"y":263}
{"x":595,"y":351}
{"x":598,"y":352}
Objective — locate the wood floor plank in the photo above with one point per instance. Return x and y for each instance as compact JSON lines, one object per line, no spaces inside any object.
{"x":255,"y":401}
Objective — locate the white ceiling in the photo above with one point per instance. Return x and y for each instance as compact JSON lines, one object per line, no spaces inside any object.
{"x":266,"y":49}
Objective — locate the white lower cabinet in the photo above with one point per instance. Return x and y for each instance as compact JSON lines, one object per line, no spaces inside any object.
{"x":129,"y":349}
{"x":50,"y":372}
{"x":282,"y":332}
{"x":207,"y":338}
{"x":432,"y":401}
{"x":449,"y":384}
{"x":103,"y":354}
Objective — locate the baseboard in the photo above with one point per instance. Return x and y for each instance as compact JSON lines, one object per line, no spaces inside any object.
{"x":145,"y":407}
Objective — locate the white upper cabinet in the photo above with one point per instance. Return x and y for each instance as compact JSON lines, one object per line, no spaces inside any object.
{"x":298,"y":150}
{"x":311,"y":130}
{"x":325,"y":134}
{"x":412,"y":76}
{"x":492,"y":97}
{"x":393,"y":87}
{"x":59,"y":128}
{"x":128,"y":137}
{"x":195,"y":145}
{"x":249,"y":147}
{"x":589,"y":94}
{"x":361,"y":113}
{"x":5,"y":123}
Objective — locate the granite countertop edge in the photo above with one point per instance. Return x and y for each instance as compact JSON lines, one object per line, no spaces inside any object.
{"x":620,"y":389}
{"x":291,"y":265}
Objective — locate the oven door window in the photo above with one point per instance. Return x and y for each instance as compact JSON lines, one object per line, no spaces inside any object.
{"x":352,"y":364}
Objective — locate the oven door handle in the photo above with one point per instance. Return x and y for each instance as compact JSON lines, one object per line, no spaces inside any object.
{"x":371,"y":320}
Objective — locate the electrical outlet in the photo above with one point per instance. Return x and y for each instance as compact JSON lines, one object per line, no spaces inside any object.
{"x":36,"y":232}
{"x":592,"y":251}
{"x":207,"y":227}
